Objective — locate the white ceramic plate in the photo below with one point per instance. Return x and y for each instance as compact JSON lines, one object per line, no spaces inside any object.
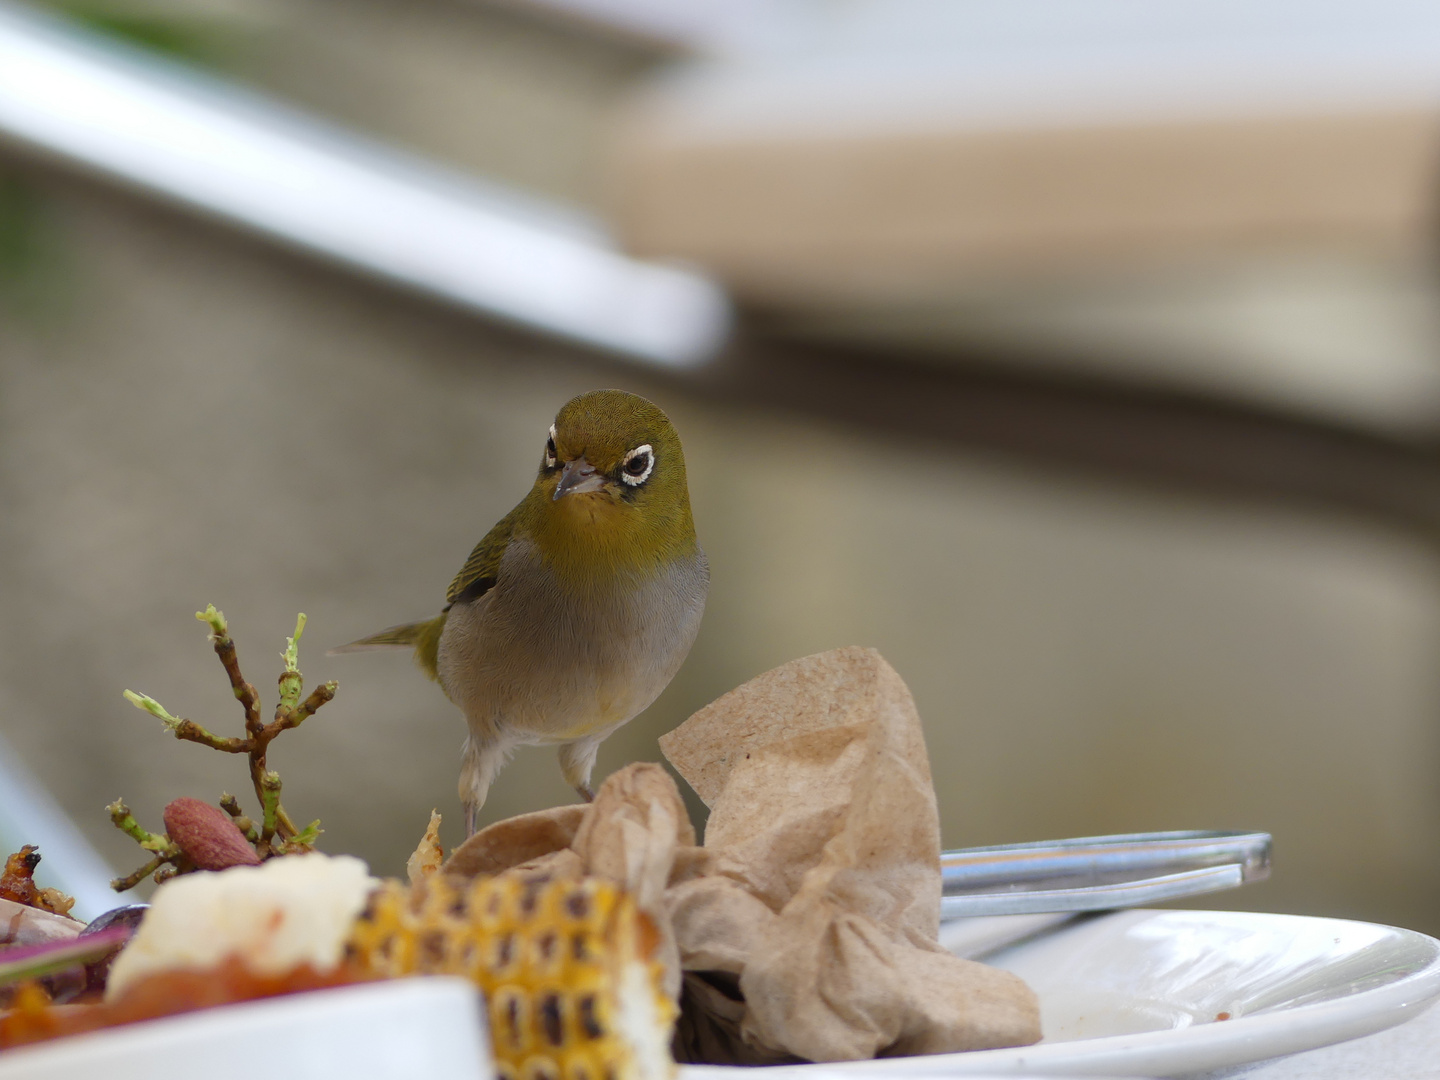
{"x":401,"y":1030}
{"x":1139,"y":993}
{"x":1133,"y":993}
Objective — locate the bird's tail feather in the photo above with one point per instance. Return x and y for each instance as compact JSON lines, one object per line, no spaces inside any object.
{"x":403,"y":636}
{"x":423,"y":637}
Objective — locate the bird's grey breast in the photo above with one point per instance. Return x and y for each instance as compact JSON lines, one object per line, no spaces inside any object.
{"x":541,"y":660}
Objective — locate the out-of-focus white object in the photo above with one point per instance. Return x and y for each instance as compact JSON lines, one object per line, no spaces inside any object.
{"x":396,"y":1030}
{"x":1168,"y":993}
{"x":28,"y":815}
{"x":168,"y":130}
{"x":283,"y":913}
{"x":1236,"y":197}
{"x":900,"y":142}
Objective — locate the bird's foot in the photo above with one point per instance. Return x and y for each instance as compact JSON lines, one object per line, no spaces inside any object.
{"x":586,"y":792}
{"x":471,"y":812}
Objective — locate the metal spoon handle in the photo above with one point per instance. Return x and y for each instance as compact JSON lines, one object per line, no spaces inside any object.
{"x":1095,"y":873}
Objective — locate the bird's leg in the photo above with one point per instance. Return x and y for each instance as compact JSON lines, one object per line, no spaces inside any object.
{"x":577,"y":761}
{"x":480,"y":763}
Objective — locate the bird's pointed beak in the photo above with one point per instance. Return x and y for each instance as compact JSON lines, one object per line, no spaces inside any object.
{"x":577,"y":477}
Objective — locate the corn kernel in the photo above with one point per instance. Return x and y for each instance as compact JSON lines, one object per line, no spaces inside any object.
{"x":570,"y":985}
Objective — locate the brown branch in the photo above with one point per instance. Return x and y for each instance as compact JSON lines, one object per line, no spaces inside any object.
{"x":124,"y":820}
{"x":257,"y":774}
{"x":323,"y":693}
{"x":270,"y":801}
{"x":276,"y":830}
{"x":293,"y":718}
{"x":231,"y":806}
{"x":245,"y":692}
{"x":130,"y":880}
{"x":190,"y":731}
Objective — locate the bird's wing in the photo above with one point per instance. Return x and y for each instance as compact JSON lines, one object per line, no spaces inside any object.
{"x":478,"y":574}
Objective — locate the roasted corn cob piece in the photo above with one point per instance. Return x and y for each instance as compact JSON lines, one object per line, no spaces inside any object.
{"x":566,"y":968}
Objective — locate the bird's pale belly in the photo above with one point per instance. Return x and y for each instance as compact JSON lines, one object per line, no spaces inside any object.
{"x":533,"y":662}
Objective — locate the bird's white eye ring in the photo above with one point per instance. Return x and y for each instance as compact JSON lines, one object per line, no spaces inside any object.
{"x":550,"y":450}
{"x":638,"y":465}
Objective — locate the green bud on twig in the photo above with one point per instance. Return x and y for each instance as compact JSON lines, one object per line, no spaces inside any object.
{"x":292,"y":644}
{"x":153,"y":707}
{"x":308,"y":835}
{"x":218,"y":626}
{"x":292,"y":683}
{"x":130,"y":880}
{"x":126,"y":823}
{"x":270,"y":800}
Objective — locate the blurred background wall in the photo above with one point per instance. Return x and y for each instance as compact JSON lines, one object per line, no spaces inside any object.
{"x":1149,"y":527}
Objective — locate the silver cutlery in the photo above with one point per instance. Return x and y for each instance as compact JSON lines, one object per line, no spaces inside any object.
{"x":1097,"y":873}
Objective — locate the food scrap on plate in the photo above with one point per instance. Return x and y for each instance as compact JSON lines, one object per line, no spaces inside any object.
{"x":17,"y":885}
{"x":603,"y":935}
{"x":805,"y":927}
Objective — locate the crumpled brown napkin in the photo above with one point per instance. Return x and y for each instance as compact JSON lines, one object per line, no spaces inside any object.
{"x":805,"y":928}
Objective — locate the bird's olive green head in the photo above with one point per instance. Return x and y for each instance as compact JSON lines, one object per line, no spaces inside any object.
{"x":612,"y":483}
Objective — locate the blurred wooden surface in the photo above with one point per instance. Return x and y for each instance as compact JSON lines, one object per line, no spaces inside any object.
{"x":814,"y":215}
{"x":1235,"y":200}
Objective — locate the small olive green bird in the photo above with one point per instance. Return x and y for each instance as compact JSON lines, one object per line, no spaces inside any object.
{"x":579,"y":606}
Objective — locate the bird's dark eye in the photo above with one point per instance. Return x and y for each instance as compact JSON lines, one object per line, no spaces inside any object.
{"x":551,"y":454}
{"x":636,"y":467}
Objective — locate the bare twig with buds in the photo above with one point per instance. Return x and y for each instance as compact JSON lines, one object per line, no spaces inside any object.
{"x":198,"y":836}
